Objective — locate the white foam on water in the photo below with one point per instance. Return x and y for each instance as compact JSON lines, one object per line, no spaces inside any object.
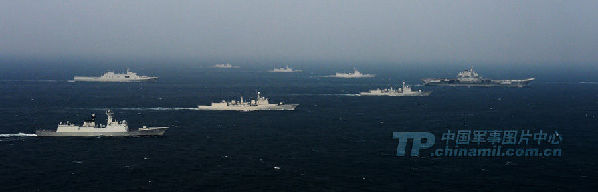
{"x":141,"y":108}
{"x":40,"y":80}
{"x":324,"y":94}
{"x":18,"y":135}
{"x":157,"y":109}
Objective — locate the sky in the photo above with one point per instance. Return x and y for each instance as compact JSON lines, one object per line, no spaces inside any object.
{"x":489,"y":32}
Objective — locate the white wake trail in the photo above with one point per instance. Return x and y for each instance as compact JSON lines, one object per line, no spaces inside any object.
{"x":157,"y":109}
{"x":39,"y":80}
{"x":140,"y":108}
{"x":325,"y":94}
{"x":18,"y":135}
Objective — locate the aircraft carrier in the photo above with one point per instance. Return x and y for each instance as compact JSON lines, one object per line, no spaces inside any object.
{"x":470,"y":78}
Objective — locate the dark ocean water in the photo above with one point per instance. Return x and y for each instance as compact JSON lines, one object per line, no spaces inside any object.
{"x":330,"y":143}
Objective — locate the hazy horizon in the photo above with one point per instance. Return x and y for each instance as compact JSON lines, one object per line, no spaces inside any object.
{"x":463,"y":33}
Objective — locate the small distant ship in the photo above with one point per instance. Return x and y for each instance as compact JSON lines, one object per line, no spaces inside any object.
{"x":470,"y":78}
{"x":225,"y":66}
{"x":261,"y":104}
{"x":115,"y":77}
{"x":404,"y":91}
{"x":286,"y":69}
{"x":91,"y":129}
{"x":354,"y":74}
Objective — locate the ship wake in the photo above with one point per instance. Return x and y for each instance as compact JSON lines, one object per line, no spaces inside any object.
{"x":324,"y":94}
{"x":158,"y":109}
{"x":33,"y":80}
{"x":18,"y":135}
{"x":144,"y":108}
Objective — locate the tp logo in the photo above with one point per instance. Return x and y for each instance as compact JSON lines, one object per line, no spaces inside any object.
{"x":417,"y":141}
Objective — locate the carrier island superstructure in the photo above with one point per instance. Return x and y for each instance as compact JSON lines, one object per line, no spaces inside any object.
{"x":260,"y":104}
{"x":470,"y":78}
{"x":116,"y":77}
{"x":403,"y":91}
{"x":89,"y":128}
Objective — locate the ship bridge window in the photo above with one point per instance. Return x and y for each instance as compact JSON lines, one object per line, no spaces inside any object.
{"x":127,"y":76}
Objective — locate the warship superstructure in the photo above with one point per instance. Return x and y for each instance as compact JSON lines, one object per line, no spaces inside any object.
{"x":470,"y":78}
{"x":354,"y":74}
{"x":116,"y":77}
{"x":89,"y":128}
{"x":225,"y":66}
{"x":404,"y":91}
{"x":286,"y":69}
{"x":261,"y":104}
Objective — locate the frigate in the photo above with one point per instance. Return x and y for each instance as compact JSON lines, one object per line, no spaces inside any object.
{"x":260,"y":104}
{"x":286,"y":69}
{"x":404,"y":91}
{"x":89,"y":128}
{"x":470,"y":78}
{"x":225,"y":66}
{"x":116,"y":77}
{"x":354,"y":74}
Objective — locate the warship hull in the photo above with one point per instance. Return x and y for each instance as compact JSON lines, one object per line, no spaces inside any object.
{"x":350,"y":76}
{"x":284,"y":71}
{"x":98,"y":79}
{"x":420,"y":94}
{"x":284,"y":107}
{"x":483,"y":83}
{"x":51,"y":133}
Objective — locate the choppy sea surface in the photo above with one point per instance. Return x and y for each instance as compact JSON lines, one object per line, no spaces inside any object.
{"x":331,"y":142}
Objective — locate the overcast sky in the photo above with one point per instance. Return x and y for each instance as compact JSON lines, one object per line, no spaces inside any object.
{"x":346,"y":31}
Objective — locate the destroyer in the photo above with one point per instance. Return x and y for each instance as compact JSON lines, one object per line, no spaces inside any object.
{"x":115,"y":77}
{"x":112,"y":128}
{"x":286,"y":69}
{"x":470,"y":78}
{"x":404,"y":91}
{"x":261,"y":104}
{"x":225,"y":66}
{"x":355,"y":74}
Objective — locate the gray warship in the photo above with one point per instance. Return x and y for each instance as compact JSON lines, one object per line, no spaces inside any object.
{"x":261,"y":104}
{"x":91,"y":129}
{"x":225,"y":66}
{"x":355,"y":74}
{"x":115,"y":77}
{"x":404,"y":91}
{"x":286,"y":69}
{"x":470,"y":78}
